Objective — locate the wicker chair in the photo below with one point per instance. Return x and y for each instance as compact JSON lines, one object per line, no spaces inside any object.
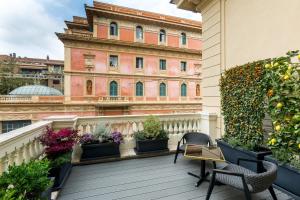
{"x":244,"y":179}
{"x":192,"y":138}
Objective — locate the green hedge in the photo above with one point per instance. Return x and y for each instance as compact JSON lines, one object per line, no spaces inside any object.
{"x":242,"y":102}
{"x":282,"y":81}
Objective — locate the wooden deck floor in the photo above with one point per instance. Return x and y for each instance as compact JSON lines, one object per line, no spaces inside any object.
{"x":145,"y":179}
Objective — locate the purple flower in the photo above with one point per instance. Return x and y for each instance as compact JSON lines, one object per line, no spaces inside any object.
{"x":87,"y":139}
{"x":117,"y":137}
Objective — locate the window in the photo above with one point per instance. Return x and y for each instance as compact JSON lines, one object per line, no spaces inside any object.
{"x":12,"y":125}
{"x":139,"y":89}
{"x":182,"y":66}
{"x":114,"y":29}
{"x":55,"y":81}
{"x":162,"y":64}
{"x":113,"y":88}
{"x":139,"y":63}
{"x":197,"y":90}
{"x":162,"y":35}
{"x":162,"y":90}
{"x":183,"y":38}
{"x":183,"y":90}
{"x":139,"y":33}
{"x":113,"y":61}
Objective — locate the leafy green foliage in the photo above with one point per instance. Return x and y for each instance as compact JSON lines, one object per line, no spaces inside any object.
{"x":282,"y":83}
{"x":242,"y":102}
{"x":103,"y":132}
{"x":28,"y":180}
{"x":61,"y":160}
{"x":7,"y":84}
{"x":152,"y":130}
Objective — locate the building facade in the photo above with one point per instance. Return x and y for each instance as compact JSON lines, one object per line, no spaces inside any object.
{"x":46,"y":72}
{"x":131,"y":62}
{"x":236,"y":32}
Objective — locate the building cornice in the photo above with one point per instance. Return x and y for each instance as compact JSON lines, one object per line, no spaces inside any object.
{"x":71,"y":37}
{"x":134,"y":76}
{"x":118,"y":12}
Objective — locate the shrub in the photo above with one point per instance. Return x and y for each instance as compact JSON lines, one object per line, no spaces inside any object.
{"x":88,"y":139}
{"x":282,"y":82}
{"x":59,"y":142}
{"x":152,"y":130}
{"x":242,"y":103}
{"x":26,"y":180}
{"x":117,"y":137}
{"x":103,"y":132}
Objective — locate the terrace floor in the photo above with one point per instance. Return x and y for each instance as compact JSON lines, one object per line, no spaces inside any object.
{"x":145,"y":179}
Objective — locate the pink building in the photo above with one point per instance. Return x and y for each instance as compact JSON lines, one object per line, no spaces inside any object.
{"x":128,"y":61}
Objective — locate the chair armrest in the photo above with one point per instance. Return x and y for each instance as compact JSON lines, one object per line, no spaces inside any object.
{"x":220,"y":171}
{"x":248,"y":160}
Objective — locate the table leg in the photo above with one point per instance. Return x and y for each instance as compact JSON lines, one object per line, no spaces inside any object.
{"x":203,"y":174}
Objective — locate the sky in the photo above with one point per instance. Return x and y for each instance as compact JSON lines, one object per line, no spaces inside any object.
{"x":27,"y":27}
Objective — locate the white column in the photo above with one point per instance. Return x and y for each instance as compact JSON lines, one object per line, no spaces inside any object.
{"x":209,"y":124}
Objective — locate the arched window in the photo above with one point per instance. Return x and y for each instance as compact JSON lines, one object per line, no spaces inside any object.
{"x":197,"y":90}
{"x":183,"y":90}
{"x":113,"y":88}
{"x":139,"y":33}
{"x":183,"y":38}
{"x":89,"y":87}
{"x":162,"y":90}
{"x":114,"y":28}
{"x":162,"y":35}
{"x":139,"y":89}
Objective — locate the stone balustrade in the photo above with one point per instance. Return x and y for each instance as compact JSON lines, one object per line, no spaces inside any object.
{"x":21,"y":145}
{"x":14,"y":99}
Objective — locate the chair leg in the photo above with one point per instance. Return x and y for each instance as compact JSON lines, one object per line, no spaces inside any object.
{"x":246,"y":189}
{"x":272,"y":192}
{"x":176,"y":155}
{"x":211,"y":186}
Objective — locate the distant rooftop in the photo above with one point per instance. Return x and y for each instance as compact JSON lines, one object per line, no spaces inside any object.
{"x":47,"y":60}
{"x":36,"y":90}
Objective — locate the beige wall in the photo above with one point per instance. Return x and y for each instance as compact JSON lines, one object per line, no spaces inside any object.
{"x":259,"y":29}
{"x":240,"y":31}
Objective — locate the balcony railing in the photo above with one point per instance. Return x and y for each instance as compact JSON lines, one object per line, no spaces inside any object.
{"x":22,"y":144}
{"x":8,"y":99}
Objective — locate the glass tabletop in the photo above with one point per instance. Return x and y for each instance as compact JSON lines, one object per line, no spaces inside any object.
{"x":203,"y":152}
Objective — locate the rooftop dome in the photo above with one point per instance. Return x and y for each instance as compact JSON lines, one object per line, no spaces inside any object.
{"x":36,"y":90}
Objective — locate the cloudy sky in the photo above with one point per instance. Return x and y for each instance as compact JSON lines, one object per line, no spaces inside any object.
{"x":27,"y":26}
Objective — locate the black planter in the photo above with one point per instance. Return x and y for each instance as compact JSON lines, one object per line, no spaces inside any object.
{"x":61,"y":174}
{"x":100,"y":150}
{"x":151,"y":145}
{"x":232,"y":154}
{"x":47,"y":194}
{"x":287,"y":178}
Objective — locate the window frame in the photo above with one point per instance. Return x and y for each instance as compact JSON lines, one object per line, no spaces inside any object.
{"x":111,"y":91}
{"x":185,"y":66}
{"x":162,"y":37}
{"x":113,"y":33}
{"x":183,"y":39}
{"x":136,"y":63}
{"x":139,"y":89}
{"x":183,"y":93}
{"x":109,"y":60}
{"x":160,"y":89}
{"x":139,"y":27}
{"x":161,"y":66}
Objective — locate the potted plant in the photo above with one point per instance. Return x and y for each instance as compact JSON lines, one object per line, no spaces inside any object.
{"x":102,"y":144}
{"x":242,"y":103}
{"x":283,"y":105}
{"x":26,"y":181}
{"x":58,"y":149}
{"x":152,"y":138}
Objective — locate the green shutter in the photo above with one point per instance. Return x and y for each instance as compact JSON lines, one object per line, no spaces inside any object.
{"x":113,"y":88}
{"x":139,"y":89}
{"x":162,"y":89}
{"x":183,"y":90}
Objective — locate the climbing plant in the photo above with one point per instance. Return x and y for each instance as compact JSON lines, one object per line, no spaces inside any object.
{"x":282,"y":81}
{"x":242,"y":103}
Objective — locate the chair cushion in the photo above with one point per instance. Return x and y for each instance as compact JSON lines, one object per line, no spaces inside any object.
{"x":234,"y":181}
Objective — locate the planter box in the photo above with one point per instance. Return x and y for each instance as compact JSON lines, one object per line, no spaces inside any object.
{"x":151,"y":145}
{"x":61,"y":174}
{"x":232,"y":154}
{"x":101,"y":150}
{"x":287,"y":178}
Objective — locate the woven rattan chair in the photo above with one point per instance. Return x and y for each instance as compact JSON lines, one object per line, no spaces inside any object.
{"x":191,"y":138}
{"x":244,"y":179}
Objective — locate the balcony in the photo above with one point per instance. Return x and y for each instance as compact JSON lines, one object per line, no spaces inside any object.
{"x":127,"y":178}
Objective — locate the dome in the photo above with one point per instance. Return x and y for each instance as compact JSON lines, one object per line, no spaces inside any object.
{"x":36,"y":90}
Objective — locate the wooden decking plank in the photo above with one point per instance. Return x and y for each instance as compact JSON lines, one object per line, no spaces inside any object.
{"x":146,"y":179}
